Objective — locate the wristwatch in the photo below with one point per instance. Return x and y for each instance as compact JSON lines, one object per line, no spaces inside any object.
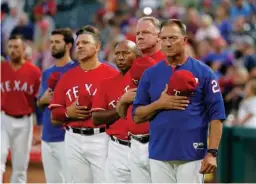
{"x":214,"y":152}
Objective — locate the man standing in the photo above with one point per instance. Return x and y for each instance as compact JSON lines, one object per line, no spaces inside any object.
{"x":20,"y":82}
{"x":53,"y":148}
{"x":86,"y":145}
{"x":148,"y":42}
{"x":178,"y":138}
{"x":104,"y":113}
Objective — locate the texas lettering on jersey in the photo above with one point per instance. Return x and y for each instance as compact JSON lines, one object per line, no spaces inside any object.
{"x":73,"y":93}
{"x":73,"y":84}
{"x":113,"y":103}
{"x":17,"y":85}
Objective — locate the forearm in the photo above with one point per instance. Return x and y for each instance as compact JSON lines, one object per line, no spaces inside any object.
{"x":145,"y":113}
{"x":122,"y":109}
{"x":39,"y":104}
{"x":107,"y":117}
{"x":42,"y":103}
{"x":58,"y":115}
{"x":215,"y":134}
{"x":54,"y":122}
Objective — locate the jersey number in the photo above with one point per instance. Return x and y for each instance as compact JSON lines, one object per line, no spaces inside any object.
{"x":215,"y":87}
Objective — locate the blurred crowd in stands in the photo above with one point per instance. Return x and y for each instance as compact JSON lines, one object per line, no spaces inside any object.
{"x":222,"y":34}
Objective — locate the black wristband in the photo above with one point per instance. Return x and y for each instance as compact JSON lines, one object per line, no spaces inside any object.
{"x":214,"y":152}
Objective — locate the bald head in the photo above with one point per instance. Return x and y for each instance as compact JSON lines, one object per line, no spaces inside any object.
{"x":125,"y":52}
{"x":128,"y":45}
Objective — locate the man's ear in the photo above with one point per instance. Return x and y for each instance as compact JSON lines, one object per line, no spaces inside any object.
{"x":185,"y":40}
{"x":69,"y":46}
{"x":24,"y":46}
{"x":158,"y":37}
{"x":98,"y":46}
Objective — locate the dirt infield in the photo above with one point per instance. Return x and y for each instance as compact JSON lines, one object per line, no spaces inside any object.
{"x":35,"y":173}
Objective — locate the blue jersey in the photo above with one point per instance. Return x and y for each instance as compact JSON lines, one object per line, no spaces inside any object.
{"x":177,"y":134}
{"x":50,"y":132}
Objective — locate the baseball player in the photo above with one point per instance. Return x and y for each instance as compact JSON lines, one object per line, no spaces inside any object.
{"x":104,"y":113}
{"x":20,"y":82}
{"x":85,"y":145}
{"x":53,"y":148}
{"x":148,"y":42}
{"x":178,"y":149}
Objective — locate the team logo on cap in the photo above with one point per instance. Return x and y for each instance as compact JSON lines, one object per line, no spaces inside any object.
{"x":182,"y":83}
{"x":176,"y":92}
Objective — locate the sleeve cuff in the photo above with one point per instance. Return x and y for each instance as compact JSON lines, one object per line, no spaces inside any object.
{"x":97,"y":109}
{"x":218,"y":117}
{"x":51,"y":106}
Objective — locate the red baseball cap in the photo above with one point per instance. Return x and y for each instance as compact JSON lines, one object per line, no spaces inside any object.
{"x":138,"y":67}
{"x":53,"y":79}
{"x":182,"y":83}
{"x":84,"y":99}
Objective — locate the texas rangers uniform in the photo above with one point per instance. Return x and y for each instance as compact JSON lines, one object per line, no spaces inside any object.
{"x":178,"y":139}
{"x":117,"y":164}
{"x":139,"y":161}
{"x":18,"y":93}
{"x":86,"y":146}
{"x":53,"y":148}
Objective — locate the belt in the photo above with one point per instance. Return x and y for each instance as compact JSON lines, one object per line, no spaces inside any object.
{"x":120,"y":141}
{"x":86,"y":131}
{"x":142,"y":139}
{"x":18,"y":116}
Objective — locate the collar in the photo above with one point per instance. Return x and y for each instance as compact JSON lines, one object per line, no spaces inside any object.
{"x":178,"y":65}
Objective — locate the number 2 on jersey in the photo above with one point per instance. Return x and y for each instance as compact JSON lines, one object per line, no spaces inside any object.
{"x":215,"y":86}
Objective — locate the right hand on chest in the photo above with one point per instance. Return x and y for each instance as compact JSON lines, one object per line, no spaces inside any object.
{"x":78,"y":112}
{"x":129,"y":96}
{"x":168,"y":102}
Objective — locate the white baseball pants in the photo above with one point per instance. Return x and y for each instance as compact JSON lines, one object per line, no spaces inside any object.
{"x":176,"y":171}
{"x":86,"y":156}
{"x":139,"y":162}
{"x":16,"y":135}
{"x":117,"y":164}
{"x":55,"y":162}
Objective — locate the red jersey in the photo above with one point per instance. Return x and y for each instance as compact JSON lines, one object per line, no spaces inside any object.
{"x":19,"y":88}
{"x":136,"y":129}
{"x":142,"y":128}
{"x":158,"y":56}
{"x":77,"y":80}
{"x":106,"y":99}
